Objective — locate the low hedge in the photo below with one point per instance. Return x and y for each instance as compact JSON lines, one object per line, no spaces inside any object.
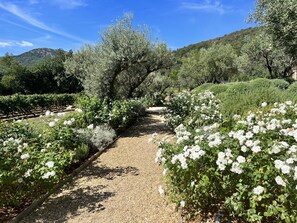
{"x":26,"y":103}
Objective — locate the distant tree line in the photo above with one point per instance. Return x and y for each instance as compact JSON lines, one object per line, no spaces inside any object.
{"x":47,"y":76}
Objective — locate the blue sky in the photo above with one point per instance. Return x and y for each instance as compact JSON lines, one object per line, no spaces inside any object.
{"x":68,"y":24}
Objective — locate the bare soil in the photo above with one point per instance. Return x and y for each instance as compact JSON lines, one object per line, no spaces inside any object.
{"x":121,"y":186}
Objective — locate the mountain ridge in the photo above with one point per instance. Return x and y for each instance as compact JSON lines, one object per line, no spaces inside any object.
{"x":35,"y":55}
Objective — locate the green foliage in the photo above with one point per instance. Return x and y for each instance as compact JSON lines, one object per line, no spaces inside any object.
{"x":218,"y":88}
{"x":279,"y":83}
{"x":178,"y":108}
{"x":47,"y":76}
{"x":120,"y":62}
{"x":94,"y":111}
{"x":215,"y":64}
{"x":293,"y":87}
{"x":279,"y":18}
{"x":235,"y":39}
{"x":28,"y":164}
{"x":203,"y":87}
{"x":240,"y":97}
{"x":35,"y":158}
{"x":124,"y":113}
{"x":242,"y":167}
{"x":261,"y":58}
{"x":27,"y":103}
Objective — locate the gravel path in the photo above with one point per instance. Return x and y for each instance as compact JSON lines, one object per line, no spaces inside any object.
{"x":120,"y":186}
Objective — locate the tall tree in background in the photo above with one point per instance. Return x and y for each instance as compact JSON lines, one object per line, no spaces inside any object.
{"x":13,"y":76}
{"x":280,"y":20}
{"x":261,"y":58}
{"x":120,"y":62}
{"x":215,"y":65}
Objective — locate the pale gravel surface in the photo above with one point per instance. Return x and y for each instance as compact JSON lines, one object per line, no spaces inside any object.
{"x":121,"y":186}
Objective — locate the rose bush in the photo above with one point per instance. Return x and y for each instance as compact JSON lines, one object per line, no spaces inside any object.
{"x":34,"y":156}
{"x":244,"y":167}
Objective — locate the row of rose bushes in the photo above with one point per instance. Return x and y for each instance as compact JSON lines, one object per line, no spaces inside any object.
{"x":33,"y":160}
{"x":27,"y":103}
{"x":242,"y":167}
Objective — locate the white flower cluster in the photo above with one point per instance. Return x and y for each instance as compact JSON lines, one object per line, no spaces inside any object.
{"x":194,"y":152}
{"x":182,"y":159}
{"x":49,"y":174}
{"x":69,"y":122}
{"x":224,"y":158}
{"x":214,"y":140}
{"x":182,"y":134}
{"x":258,"y":190}
{"x":49,"y":114}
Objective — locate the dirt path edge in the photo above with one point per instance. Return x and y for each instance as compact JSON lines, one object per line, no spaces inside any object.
{"x":36,"y":203}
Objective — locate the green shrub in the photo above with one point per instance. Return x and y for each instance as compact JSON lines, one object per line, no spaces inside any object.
{"x":93,"y":111}
{"x":33,"y":159}
{"x":240,"y":103}
{"x":29,"y":164}
{"x":178,"y":108}
{"x":124,"y":113}
{"x":244,"y":167}
{"x":292,"y":89}
{"x":260,"y":83}
{"x":27,"y":103}
{"x":202,"y":88}
{"x":218,"y":88}
{"x":280,"y":83}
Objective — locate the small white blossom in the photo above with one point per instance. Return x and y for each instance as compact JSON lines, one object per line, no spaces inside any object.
{"x":48,"y":175}
{"x":51,"y":124}
{"x":50,"y":164}
{"x":278,"y":164}
{"x":25,"y":156}
{"x":90,"y":126}
{"x":161,"y":190}
{"x":79,"y":110}
{"x":256,"y":149}
{"x":240,"y":159}
{"x":258,"y":190}
{"x":285,"y":169}
{"x":280,"y":181}
{"x":264,"y":104}
{"x":236,"y":168}
{"x":182,"y":204}
{"x":28,"y":173}
{"x":48,"y":113}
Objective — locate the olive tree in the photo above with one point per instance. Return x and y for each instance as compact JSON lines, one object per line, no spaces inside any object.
{"x":120,"y":62}
{"x":280,"y":19}
{"x":261,"y":58}
{"x":215,"y":64}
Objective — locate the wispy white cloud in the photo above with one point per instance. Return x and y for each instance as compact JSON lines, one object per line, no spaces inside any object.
{"x":25,"y":44}
{"x":15,"y":43}
{"x":15,"y":10}
{"x":5,"y":44}
{"x":70,"y":4}
{"x":207,"y":5}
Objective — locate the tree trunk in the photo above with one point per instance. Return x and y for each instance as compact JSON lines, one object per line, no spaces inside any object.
{"x":294,"y":68}
{"x":269,"y":67}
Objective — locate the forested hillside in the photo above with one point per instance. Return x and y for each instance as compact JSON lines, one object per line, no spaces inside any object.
{"x":235,"y":39}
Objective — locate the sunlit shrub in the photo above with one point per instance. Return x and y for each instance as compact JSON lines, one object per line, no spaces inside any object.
{"x":244,"y":167}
